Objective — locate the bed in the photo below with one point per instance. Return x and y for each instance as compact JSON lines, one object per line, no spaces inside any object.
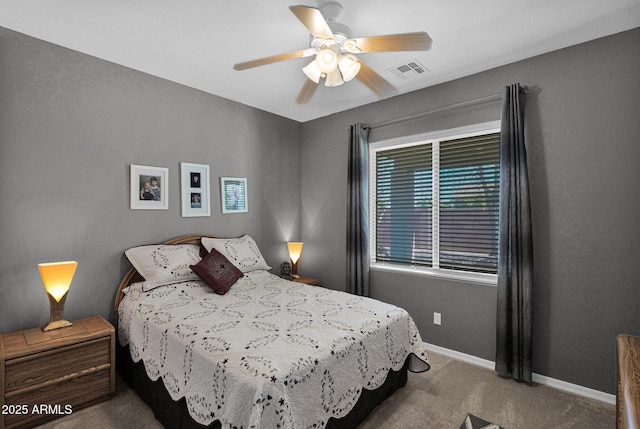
{"x":248,"y":349}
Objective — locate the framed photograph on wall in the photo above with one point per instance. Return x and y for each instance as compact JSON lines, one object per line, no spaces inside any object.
{"x":149,"y":187}
{"x":233,"y":193}
{"x":195,"y":190}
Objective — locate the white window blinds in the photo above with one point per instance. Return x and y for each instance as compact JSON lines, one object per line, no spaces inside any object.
{"x":437,"y":204}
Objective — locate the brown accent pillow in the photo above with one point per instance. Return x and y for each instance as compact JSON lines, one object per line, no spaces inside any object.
{"x":217,"y":272}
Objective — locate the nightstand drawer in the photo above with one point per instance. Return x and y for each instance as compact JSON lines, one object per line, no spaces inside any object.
{"x":77,"y":393}
{"x":64,"y":362}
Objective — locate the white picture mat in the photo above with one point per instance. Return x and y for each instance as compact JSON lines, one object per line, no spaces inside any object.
{"x":196,"y":196}
{"x":141,"y":175}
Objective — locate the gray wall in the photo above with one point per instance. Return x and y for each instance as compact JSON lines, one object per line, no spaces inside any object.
{"x":70,"y":126}
{"x":583,"y":133}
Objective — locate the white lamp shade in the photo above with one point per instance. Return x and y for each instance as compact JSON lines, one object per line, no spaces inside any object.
{"x":349,"y":67}
{"x":327,"y":59}
{"x":334,"y":78}
{"x":312,"y":71}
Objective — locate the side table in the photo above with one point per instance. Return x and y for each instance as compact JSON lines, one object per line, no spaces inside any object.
{"x":46,"y":375}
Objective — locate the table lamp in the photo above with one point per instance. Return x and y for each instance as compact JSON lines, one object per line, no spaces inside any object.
{"x":295,"y":251}
{"x":56,"y":277}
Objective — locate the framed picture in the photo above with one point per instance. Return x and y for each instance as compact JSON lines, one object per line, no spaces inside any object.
{"x":233,"y":192}
{"x":149,"y":188}
{"x":195,"y":190}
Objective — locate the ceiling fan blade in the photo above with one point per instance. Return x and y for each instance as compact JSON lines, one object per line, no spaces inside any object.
{"x":419,"y":41}
{"x":314,"y":21}
{"x":375,"y":82}
{"x":308,"y":89}
{"x":274,"y":59}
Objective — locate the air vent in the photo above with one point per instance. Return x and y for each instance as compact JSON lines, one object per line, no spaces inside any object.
{"x":409,"y":70}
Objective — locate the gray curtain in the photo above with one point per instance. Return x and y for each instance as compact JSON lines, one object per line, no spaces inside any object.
{"x":358,"y":211}
{"x":515,"y":257}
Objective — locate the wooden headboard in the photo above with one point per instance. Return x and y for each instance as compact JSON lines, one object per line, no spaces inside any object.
{"x":133,"y":276}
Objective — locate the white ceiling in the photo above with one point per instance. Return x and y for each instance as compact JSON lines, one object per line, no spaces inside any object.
{"x":197,"y":42}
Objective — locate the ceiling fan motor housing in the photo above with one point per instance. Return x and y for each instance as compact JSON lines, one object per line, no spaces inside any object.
{"x":331,"y":11}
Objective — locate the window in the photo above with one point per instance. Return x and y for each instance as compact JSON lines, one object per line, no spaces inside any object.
{"x":434,"y":203}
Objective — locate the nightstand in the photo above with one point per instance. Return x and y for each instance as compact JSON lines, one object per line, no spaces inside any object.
{"x":307,"y":280}
{"x":46,"y":375}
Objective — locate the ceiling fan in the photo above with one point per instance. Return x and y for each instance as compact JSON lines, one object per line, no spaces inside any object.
{"x":334,"y":50}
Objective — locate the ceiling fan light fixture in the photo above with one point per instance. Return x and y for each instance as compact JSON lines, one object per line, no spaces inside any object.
{"x":351,"y":45}
{"x":334,"y":78}
{"x":349,"y":67}
{"x":327,"y":59}
{"x":312,"y":71}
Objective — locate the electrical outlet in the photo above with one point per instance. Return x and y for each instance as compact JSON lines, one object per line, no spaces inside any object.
{"x":437,"y":318}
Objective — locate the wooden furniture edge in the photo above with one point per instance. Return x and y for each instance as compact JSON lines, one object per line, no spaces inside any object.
{"x":132,"y":275}
{"x":84,"y":337}
{"x":627,"y":382}
{"x":1,"y":381}
{"x":62,"y":338}
{"x":312,"y":281}
{"x":112,"y":335}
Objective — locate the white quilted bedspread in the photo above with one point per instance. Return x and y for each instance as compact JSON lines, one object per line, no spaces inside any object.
{"x":270,"y":353}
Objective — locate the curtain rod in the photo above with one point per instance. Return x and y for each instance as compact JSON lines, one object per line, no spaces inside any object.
{"x":439,"y":109}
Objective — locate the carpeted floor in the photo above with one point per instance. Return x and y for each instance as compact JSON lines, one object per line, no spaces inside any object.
{"x":438,"y":399}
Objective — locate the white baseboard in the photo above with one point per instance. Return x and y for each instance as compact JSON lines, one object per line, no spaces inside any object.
{"x":537,"y":378}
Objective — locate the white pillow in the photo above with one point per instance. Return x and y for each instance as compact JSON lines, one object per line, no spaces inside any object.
{"x":243,"y":252}
{"x":162,"y":264}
